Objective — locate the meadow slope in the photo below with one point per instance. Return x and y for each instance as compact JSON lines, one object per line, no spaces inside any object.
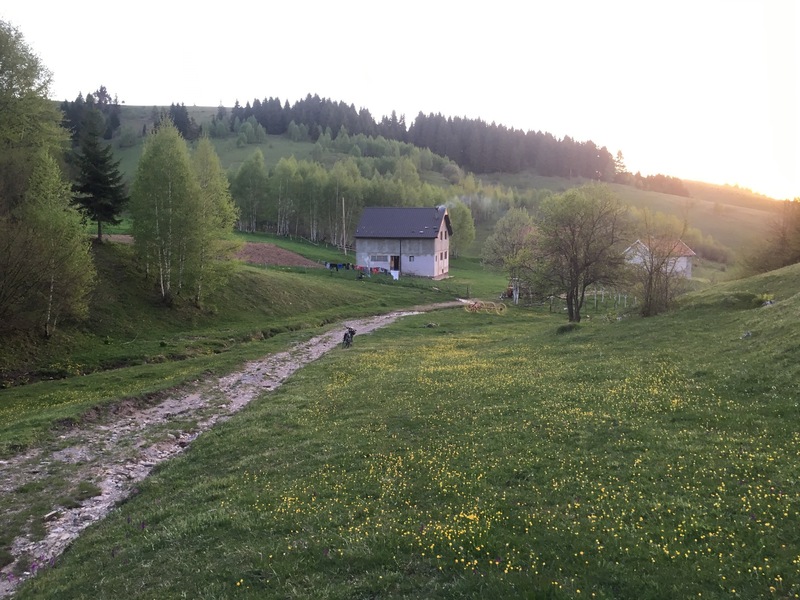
{"x":489,"y":456}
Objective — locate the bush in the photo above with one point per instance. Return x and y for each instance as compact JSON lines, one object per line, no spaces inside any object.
{"x":128,"y":138}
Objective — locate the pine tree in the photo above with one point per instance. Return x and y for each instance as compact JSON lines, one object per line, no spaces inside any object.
{"x":99,"y":190}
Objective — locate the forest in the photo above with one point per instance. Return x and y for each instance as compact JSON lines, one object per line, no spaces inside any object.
{"x":472,"y":144}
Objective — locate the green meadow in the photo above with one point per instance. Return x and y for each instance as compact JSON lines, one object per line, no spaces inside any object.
{"x":489,"y":457}
{"x":450,"y":455}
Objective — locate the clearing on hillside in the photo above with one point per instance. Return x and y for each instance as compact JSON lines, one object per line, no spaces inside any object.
{"x":252,"y":252}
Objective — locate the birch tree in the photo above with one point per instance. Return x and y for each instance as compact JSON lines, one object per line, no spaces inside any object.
{"x":463,"y":227}
{"x":29,"y":121}
{"x":343,"y":193}
{"x":286,"y":183}
{"x":217,"y":215}
{"x":655,"y":262}
{"x":314,"y":179}
{"x":45,"y":266}
{"x":249,"y":190}
{"x":59,"y":275}
{"x":165,"y":208}
{"x":512,"y":247}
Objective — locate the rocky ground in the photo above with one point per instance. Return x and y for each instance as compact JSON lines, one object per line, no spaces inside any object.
{"x":118,"y":448}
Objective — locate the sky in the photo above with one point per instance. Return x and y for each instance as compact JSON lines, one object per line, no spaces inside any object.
{"x":706,"y":90}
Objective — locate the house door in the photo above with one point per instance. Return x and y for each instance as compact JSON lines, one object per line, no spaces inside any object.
{"x":394,"y":263}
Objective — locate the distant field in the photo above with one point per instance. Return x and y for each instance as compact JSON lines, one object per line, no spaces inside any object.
{"x":732,"y":216}
{"x":733,"y":224}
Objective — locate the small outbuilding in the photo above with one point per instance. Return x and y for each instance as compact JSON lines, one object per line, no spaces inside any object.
{"x":675,"y":253}
{"x":404,"y":241}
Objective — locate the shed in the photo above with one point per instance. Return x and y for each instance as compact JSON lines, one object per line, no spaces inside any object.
{"x":676,"y":254}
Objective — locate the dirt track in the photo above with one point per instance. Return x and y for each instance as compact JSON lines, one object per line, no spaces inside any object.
{"x":121,"y":450}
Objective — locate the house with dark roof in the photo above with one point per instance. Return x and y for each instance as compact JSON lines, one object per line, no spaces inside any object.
{"x":405,"y":241}
{"x":674,"y":254}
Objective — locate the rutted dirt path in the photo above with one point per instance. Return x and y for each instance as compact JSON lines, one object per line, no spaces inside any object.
{"x":121,"y":450}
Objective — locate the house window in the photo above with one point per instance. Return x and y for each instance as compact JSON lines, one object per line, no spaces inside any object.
{"x":379,"y":258}
{"x":435,"y":258}
{"x":445,"y":235}
{"x":445,"y":253}
{"x":410,"y":259}
{"x":440,"y":235}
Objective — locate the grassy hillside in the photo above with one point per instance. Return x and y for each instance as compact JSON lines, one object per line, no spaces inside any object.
{"x":231,"y":156}
{"x":487,"y":457}
{"x":731,"y":222}
{"x":129,"y":329}
{"x":490,"y":457}
{"x":734,"y":217}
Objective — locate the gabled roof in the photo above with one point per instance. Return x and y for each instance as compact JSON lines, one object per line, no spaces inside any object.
{"x":402,"y":222}
{"x":676,"y":248}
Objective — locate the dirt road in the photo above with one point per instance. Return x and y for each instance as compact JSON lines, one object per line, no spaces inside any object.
{"x":122,"y":448}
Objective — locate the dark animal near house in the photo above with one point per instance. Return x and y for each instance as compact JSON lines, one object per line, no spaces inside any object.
{"x":348,"y":337}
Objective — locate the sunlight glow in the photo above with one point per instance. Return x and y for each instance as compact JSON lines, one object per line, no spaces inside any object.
{"x":699,"y":90}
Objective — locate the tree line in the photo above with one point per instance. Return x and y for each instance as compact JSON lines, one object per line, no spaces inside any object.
{"x":303,"y":198}
{"x":472,"y":144}
{"x":654,"y":183}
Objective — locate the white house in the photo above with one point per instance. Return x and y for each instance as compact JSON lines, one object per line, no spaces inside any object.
{"x":410,"y":241}
{"x":675,"y":253}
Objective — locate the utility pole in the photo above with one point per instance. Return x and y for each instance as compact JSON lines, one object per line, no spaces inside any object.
{"x":344,"y":233}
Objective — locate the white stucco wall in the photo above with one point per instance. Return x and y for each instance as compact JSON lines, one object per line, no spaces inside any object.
{"x":680,"y":265}
{"x":425,"y":253}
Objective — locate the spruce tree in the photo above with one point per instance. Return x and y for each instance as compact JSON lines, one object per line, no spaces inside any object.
{"x":99,"y":190}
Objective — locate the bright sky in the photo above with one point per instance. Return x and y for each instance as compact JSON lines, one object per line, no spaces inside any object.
{"x":697,"y":89}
